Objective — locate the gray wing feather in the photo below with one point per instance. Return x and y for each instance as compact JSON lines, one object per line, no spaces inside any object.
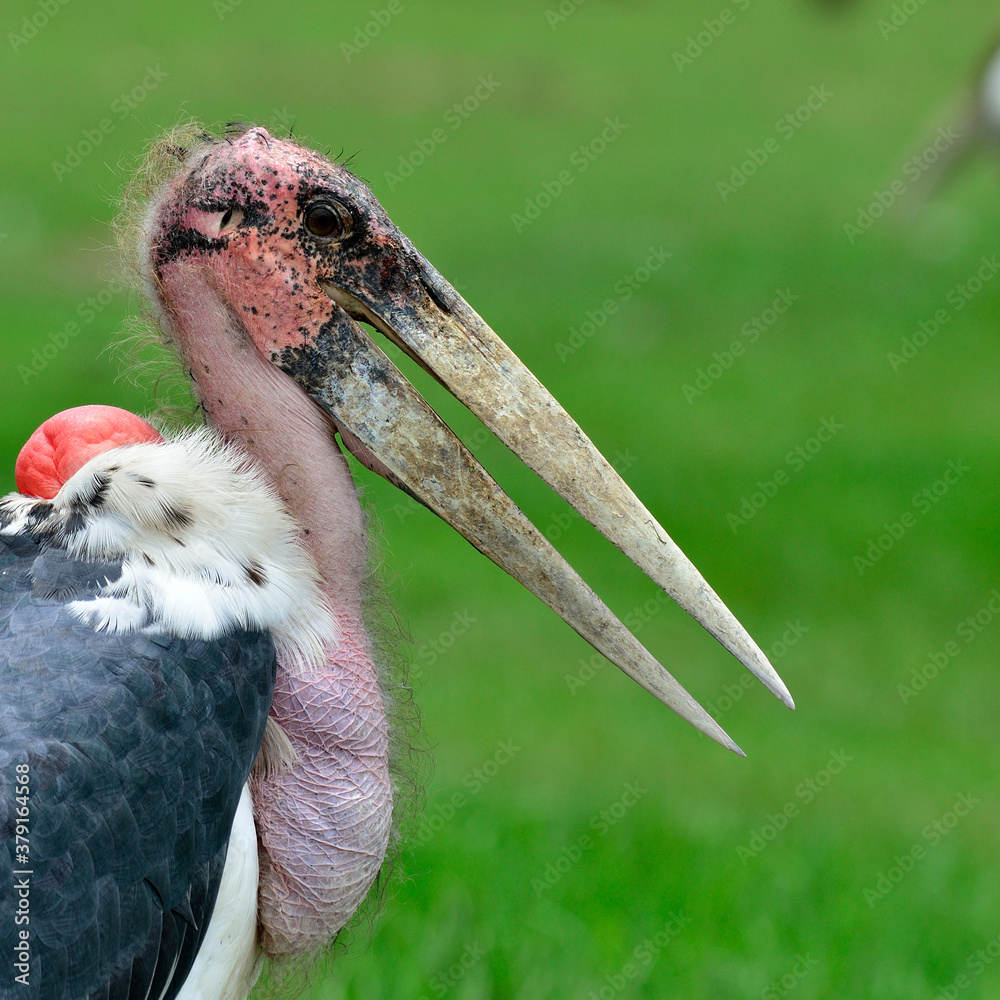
{"x":137,"y":748}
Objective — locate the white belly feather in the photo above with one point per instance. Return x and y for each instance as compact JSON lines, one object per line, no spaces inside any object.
{"x":229,"y":962}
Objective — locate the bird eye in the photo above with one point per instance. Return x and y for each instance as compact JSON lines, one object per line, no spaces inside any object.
{"x":328,"y":219}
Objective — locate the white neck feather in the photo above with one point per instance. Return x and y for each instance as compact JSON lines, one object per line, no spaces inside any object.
{"x":204,"y":543}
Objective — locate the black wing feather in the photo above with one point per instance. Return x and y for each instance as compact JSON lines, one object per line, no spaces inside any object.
{"x":137,"y":747}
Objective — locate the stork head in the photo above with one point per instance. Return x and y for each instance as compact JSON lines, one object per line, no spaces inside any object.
{"x":287,"y":253}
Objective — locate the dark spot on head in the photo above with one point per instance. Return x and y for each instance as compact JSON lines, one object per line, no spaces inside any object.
{"x":148,"y":559}
{"x":255,"y":574}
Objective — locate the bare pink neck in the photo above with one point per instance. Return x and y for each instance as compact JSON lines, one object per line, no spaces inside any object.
{"x":322,"y":824}
{"x":260,"y":409}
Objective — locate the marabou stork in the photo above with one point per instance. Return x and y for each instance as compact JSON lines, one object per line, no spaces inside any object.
{"x":147,"y":610}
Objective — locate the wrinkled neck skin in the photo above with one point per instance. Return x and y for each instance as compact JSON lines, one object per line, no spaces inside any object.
{"x":322,"y":823}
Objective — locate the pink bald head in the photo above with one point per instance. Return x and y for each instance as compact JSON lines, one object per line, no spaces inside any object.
{"x":247,"y":196}
{"x":67,"y":441}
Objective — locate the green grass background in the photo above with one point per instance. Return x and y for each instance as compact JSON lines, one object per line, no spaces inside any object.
{"x":799,"y":905}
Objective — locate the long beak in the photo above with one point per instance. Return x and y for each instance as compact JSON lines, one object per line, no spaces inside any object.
{"x":340,"y":238}
{"x":392,"y":430}
{"x":430,"y":321}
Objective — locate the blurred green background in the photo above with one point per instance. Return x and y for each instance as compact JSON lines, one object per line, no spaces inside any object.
{"x":577,"y":839}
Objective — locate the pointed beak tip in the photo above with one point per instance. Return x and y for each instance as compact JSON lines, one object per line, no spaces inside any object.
{"x":783,"y":694}
{"x":707,"y":725}
{"x":759,"y":665}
